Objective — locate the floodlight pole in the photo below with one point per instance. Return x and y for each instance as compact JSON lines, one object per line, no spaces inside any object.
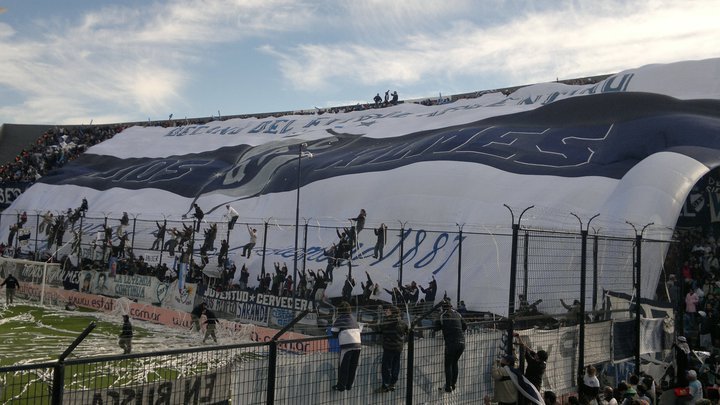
{"x":301,"y":154}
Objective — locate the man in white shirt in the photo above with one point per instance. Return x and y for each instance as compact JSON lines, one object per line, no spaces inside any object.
{"x":232,"y":216}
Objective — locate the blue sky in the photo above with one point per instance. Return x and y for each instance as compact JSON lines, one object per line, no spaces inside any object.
{"x":72,"y":61}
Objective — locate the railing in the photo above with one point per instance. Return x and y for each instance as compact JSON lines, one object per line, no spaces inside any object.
{"x":276,"y":372}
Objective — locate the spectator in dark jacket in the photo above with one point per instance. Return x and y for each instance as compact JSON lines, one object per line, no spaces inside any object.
{"x":211,"y":323}
{"x":453,"y":328}
{"x":125,"y":341}
{"x":536,"y":363}
{"x":393,"y":338}
{"x":11,"y":284}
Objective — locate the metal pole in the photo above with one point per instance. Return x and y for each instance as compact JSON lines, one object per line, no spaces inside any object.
{"x":304,"y":261}
{"x":638,"y":283}
{"x":162,"y":243}
{"x":526,"y":250}
{"x":59,"y":369}
{"x":638,"y":244}
{"x":79,"y":249}
{"x":37,"y":231}
{"x":297,"y":214}
{"x":410,"y":373}
{"x":513,"y":274}
{"x":104,"y":249}
{"x":265,"y":233}
{"x":595,"y":272}
{"x":272,"y":365}
{"x":402,"y":251}
{"x":511,"y":293}
{"x":583,"y":275}
{"x":132,"y":240}
{"x":272,"y":356}
{"x":459,"y":267}
{"x":583,"y":286}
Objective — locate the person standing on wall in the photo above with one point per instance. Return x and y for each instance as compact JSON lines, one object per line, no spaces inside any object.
{"x":232,"y":216}
{"x":126,"y":334}
{"x":11,"y":284}
{"x":211,"y":324}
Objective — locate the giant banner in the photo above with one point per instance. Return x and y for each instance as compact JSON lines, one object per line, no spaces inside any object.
{"x":9,"y":191}
{"x":622,"y":148}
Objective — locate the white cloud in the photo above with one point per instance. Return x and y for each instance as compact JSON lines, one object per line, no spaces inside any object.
{"x":588,"y":38}
{"x":132,"y":61}
{"x":121,"y":63}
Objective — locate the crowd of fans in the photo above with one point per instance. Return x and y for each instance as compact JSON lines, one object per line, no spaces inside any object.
{"x":53,"y":149}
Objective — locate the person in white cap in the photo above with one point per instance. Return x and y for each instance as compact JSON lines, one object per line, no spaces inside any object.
{"x":682,"y":353}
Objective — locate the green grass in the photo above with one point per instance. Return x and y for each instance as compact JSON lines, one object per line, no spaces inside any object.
{"x":33,"y":334}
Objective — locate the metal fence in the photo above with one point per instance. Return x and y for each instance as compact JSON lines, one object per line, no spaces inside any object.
{"x":258,"y":373}
{"x":278,"y":372}
{"x":567,"y":275}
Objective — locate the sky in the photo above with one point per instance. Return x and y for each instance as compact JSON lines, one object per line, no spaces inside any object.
{"x":101,"y":61}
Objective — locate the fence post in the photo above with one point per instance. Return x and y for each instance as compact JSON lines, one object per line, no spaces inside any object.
{"x":37,"y":231}
{"x":16,"y":241}
{"x":162,"y":242}
{"x":272,"y":356}
{"x":460,"y":244}
{"x":58,"y":387}
{"x":638,"y":281}
{"x":513,"y":275}
{"x":105,"y":241}
{"x":583,"y":286}
{"x":304,"y":261}
{"x":402,"y":251}
{"x":526,"y":267}
{"x":595,"y":271}
{"x":410,"y":375}
{"x":581,"y":333}
{"x":272,"y":365}
{"x":265,"y":232}
{"x":132,"y":239}
{"x":638,"y":326}
{"x":79,"y":248}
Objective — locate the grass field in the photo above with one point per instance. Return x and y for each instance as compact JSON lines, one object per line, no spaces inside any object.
{"x":33,"y":334}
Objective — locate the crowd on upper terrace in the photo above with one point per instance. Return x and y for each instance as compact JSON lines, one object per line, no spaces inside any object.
{"x":53,"y":149}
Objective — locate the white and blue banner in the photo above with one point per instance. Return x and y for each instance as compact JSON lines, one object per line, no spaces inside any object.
{"x":628,"y":148}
